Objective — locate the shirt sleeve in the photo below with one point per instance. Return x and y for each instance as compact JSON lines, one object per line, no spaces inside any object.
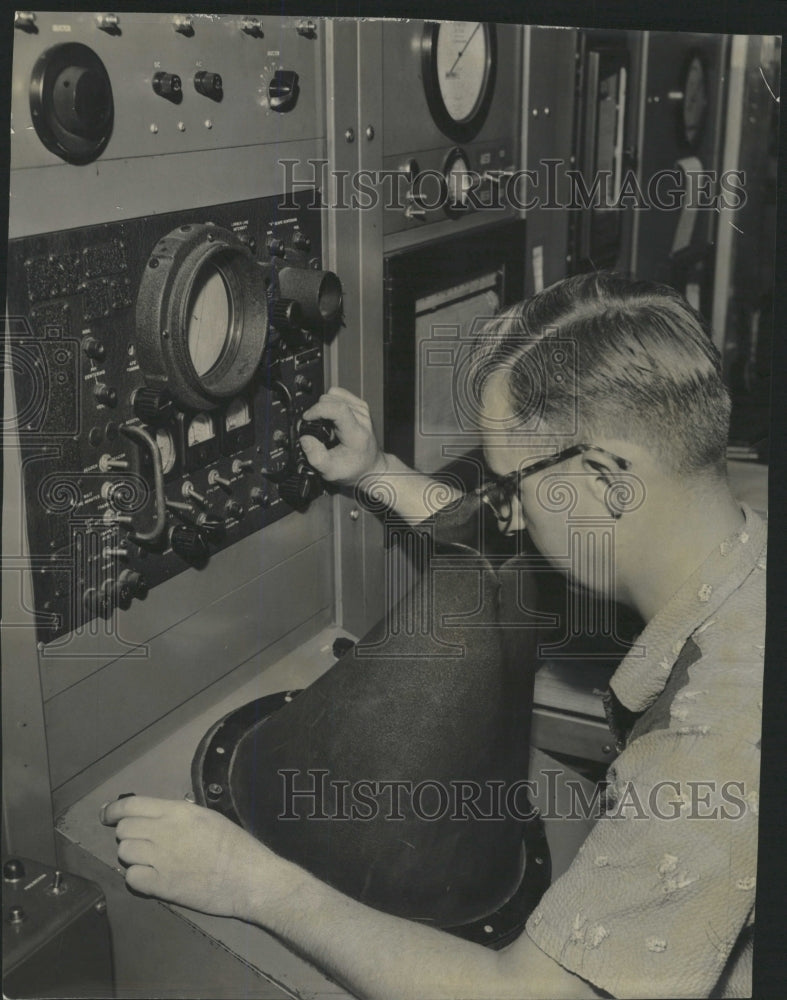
{"x":660,"y":891}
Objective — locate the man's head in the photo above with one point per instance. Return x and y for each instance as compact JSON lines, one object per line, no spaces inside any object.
{"x":603,"y":356}
{"x":625,"y":369}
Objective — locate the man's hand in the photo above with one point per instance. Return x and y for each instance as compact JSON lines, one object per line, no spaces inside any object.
{"x":357,"y":454}
{"x":186,"y":854}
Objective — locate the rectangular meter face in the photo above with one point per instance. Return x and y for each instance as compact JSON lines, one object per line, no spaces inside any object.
{"x":83,"y":376}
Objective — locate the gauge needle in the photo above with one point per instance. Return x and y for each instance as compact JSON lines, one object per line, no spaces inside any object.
{"x":462,"y":52}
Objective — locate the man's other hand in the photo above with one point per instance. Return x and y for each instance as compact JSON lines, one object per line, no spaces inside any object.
{"x":186,"y":854}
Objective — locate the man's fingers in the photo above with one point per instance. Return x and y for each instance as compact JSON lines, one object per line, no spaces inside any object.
{"x":136,"y":852}
{"x":135,"y":827}
{"x":138,"y":805}
{"x":142,"y":878}
{"x":337,"y":410}
{"x":316,"y":453}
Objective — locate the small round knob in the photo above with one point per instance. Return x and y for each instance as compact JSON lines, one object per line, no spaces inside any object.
{"x":260,"y":495}
{"x":301,"y":242}
{"x":209,"y":85}
{"x":105,"y":394}
{"x":303,"y":383}
{"x":94,"y":348}
{"x":283,"y":90}
{"x":276,"y":247}
{"x":233,"y":509}
{"x":16,"y":914}
{"x":13,"y":870}
{"x":168,"y":85}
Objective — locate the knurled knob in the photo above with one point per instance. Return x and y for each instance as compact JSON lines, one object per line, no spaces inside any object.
{"x":151,"y":405}
{"x":188,"y":543}
{"x":299,"y":490}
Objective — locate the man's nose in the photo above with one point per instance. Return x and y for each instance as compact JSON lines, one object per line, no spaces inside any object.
{"x":518,"y":520}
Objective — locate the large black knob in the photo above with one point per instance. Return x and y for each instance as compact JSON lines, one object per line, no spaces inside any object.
{"x":71,"y":102}
{"x":82,"y":101}
{"x":209,"y":85}
{"x":188,"y":543}
{"x":151,"y":405}
{"x":283,"y":90}
{"x":323,"y":430}
{"x":299,"y":490}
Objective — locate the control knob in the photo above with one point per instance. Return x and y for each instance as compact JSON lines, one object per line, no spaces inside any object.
{"x":211,"y":525}
{"x":286,"y":315}
{"x":283,"y":90}
{"x":151,"y":405}
{"x":188,"y":543}
{"x":209,"y":85}
{"x":169,"y":86}
{"x":300,"y":489}
{"x":323,"y":430}
{"x":13,"y":870}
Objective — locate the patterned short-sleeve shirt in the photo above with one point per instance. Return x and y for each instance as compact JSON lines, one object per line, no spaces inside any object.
{"x":659,"y":902}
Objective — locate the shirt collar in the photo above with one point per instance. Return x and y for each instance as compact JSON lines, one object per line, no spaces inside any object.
{"x":643,"y":673}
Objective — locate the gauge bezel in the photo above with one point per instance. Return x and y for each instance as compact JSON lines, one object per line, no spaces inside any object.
{"x":163,"y":309}
{"x":467,"y":128}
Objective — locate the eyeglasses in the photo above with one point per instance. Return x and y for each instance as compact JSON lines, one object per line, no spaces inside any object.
{"x":499,"y":494}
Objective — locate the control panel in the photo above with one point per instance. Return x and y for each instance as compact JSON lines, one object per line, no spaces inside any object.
{"x":90,"y":85}
{"x":55,"y":933}
{"x":162,"y":366}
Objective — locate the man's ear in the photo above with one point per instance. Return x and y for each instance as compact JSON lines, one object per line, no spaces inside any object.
{"x":601,"y":475}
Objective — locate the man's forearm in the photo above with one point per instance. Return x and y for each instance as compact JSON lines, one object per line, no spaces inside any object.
{"x":381,"y":957}
{"x":412,"y":495}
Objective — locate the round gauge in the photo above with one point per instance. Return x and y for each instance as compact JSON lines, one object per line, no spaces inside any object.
{"x":209,"y":319}
{"x":238,"y":415}
{"x":166,"y":446}
{"x":200,"y":429}
{"x":202,"y":315}
{"x":693,"y":110}
{"x":456,"y":171}
{"x":458,"y":64}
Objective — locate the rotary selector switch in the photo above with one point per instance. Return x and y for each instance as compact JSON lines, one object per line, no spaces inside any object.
{"x":283,"y":90}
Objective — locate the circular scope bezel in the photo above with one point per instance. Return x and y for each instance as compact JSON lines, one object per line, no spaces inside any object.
{"x":163,"y":305}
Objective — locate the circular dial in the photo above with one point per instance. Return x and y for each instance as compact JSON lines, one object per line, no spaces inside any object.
{"x":166,"y":446}
{"x":694,"y":106}
{"x":209,"y":318}
{"x":458,"y":66}
{"x":200,"y":429}
{"x":238,"y":415}
{"x":71,"y":102}
{"x":202,"y":315}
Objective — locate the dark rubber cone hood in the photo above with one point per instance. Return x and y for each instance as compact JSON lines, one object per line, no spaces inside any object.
{"x":431,"y":697}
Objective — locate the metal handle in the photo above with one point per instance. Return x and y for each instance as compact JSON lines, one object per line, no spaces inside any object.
{"x":141,"y":437}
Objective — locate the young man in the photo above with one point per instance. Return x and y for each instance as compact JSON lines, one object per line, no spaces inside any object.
{"x":660,"y":899}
